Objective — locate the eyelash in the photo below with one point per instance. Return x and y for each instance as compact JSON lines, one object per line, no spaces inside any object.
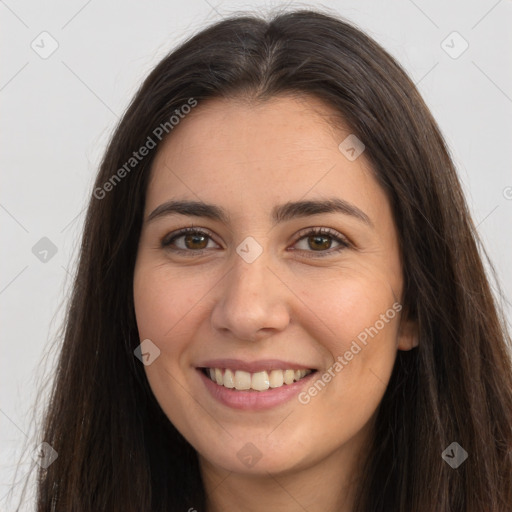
{"x":168,"y":240}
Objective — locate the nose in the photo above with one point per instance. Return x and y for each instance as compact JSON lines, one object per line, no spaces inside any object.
{"x":253,"y":303}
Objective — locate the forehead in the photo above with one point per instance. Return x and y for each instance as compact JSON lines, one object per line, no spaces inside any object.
{"x":251,"y":155}
{"x":256,"y":130}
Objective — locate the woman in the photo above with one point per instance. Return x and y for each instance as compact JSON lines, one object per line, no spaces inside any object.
{"x":280,"y":303}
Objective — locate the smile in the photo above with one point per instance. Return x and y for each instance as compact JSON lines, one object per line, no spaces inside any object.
{"x":254,"y":385}
{"x":241,"y":380}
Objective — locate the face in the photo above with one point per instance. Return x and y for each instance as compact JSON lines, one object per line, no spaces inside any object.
{"x":286,"y":286}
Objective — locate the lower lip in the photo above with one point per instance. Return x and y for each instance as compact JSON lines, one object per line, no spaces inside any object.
{"x":254,"y":400}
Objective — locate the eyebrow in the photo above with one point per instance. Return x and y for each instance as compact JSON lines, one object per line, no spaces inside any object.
{"x":280,"y":213}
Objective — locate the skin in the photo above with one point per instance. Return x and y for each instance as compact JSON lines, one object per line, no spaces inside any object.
{"x":290,"y":303}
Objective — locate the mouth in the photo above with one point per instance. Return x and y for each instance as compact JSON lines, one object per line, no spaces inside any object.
{"x":241,"y":380}
{"x":254,"y":385}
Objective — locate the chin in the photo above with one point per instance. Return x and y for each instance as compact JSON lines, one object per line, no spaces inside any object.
{"x":258,"y":457}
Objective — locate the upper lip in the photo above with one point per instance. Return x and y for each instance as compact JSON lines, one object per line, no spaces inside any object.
{"x":253,"y":366}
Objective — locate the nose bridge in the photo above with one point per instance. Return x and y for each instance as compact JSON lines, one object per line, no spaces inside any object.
{"x":252,"y":303}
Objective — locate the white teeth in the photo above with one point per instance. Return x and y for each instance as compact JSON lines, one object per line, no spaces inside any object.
{"x":259,"y":381}
{"x":276,"y":378}
{"x":242,"y":380}
{"x":229,"y":379}
{"x":299,"y":374}
{"x":289,"y":376}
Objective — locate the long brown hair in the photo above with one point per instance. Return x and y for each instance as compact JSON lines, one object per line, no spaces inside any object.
{"x":116,"y":448}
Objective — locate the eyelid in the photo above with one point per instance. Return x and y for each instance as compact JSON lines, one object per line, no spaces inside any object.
{"x":170,"y":237}
{"x":341,"y":239}
{"x":322,"y":231}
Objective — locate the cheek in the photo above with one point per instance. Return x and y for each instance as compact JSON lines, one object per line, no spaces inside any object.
{"x":349,"y":307}
{"x":356,"y":321}
{"x":165,"y":308}
{"x":164,"y":303}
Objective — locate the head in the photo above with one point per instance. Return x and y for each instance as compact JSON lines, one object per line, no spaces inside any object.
{"x":293,"y":300}
{"x":328,"y":233}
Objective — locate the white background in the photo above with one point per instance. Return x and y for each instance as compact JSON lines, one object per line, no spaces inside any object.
{"x":57,"y":115}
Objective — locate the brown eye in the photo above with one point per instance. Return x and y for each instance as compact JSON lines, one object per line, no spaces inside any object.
{"x":188,"y":240}
{"x":196,"y":241}
{"x":319,"y":243}
{"x":321,"y":240}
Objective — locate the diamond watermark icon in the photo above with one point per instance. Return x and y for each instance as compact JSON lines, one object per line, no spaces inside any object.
{"x":454,"y":455}
{"x":352,"y":147}
{"x":44,"y":250}
{"x":249,"y":455}
{"x":44,"y":455}
{"x":249,"y":250}
{"x":147,"y":352}
{"x":454,"y":45}
{"x":44,"y":45}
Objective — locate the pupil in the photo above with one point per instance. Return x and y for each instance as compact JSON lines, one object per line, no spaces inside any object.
{"x":318,"y":240}
{"x":195,"y":239}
